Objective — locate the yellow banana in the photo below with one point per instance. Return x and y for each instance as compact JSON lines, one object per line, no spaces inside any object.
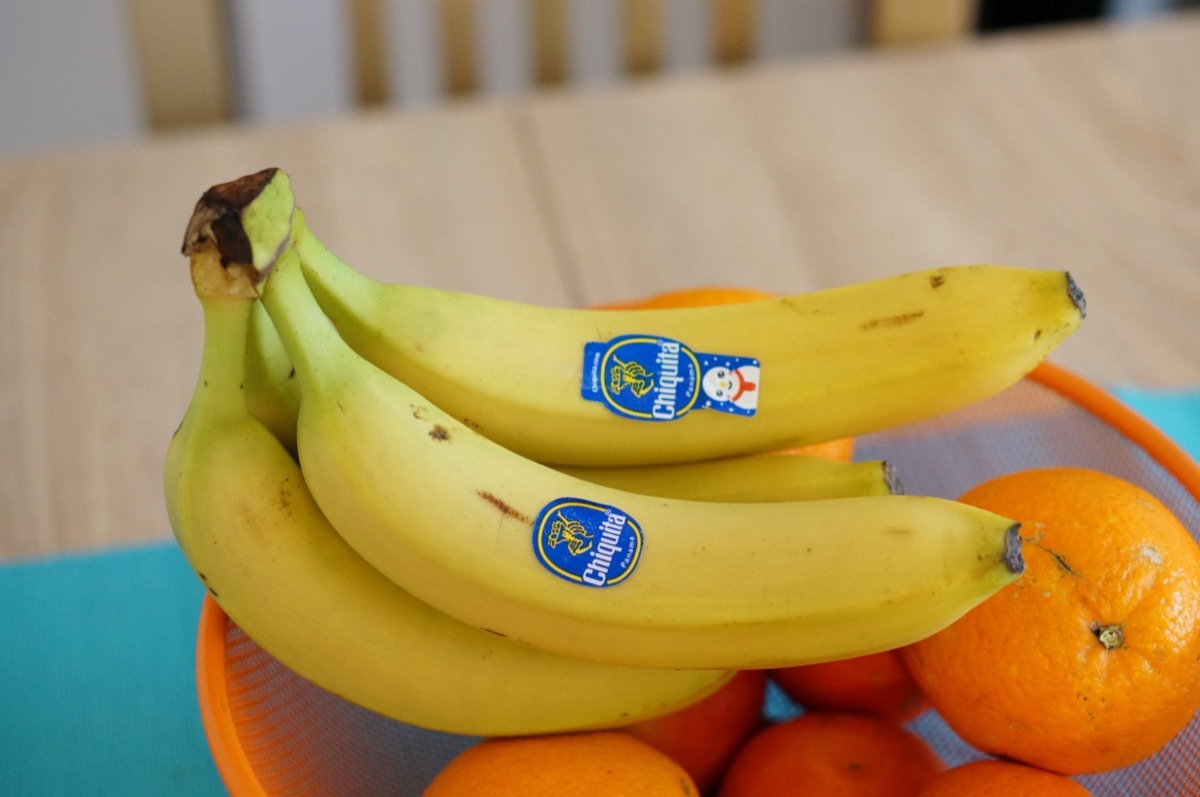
{"x":248,"y":525}
{"x":507,"y":544}
{"x":271,"y":389}
{"x":274,"y":398}
{"x":762,"y":478}
{"x":811,"y":367}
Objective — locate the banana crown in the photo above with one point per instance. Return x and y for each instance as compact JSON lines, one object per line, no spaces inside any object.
{"x":247,"y":221}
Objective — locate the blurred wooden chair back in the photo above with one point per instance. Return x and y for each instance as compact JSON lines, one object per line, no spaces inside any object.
{"x":188,"y":62}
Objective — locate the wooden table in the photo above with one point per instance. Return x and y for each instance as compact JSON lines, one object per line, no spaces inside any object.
{"x":1072,"y":148}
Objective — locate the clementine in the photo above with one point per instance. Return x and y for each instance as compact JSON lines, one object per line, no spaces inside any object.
{"x":562,"y":765}
{"x":692,"y":297}
{"x":878,"y":684}
{"x":840,"y":449}
{"x":1001,"y":779}
{"x":832,"y":754}
{"x":704,"y":736}
{"x":1091,"y":660}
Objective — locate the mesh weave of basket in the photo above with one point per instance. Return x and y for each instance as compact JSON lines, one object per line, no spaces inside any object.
{"x":301,"y":740}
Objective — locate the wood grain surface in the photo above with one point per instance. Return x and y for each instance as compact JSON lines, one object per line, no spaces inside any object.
{"x":1074,"y":148}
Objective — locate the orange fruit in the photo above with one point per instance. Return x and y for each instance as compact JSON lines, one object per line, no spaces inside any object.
{"x":831,"y":754}
{"x":692,"y":297}
{"x":842,"y":449}
{"x":562,"y":765}
{"x":1091,"y":660}
{"x":1001,"y":779}
{"x":878,"y":684}
{"x":704,"y":737}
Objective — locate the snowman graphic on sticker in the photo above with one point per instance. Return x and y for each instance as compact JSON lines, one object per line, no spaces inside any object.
{"x":731,"y":388}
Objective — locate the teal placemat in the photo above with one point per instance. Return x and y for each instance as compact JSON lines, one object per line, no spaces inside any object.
{"x":97,"y":671}
{"x":1176,"y":412}
{"x":97,"y":677}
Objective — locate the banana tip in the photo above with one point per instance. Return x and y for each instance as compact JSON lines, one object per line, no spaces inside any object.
{"x":1013,"y":559}
{"x":1076,"y":296}
{"x":892,"y":479}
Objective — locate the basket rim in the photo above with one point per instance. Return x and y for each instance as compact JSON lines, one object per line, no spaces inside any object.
{"x":238,"y":773}
{"x":212,"y":692}
{"x":1126,"y":420}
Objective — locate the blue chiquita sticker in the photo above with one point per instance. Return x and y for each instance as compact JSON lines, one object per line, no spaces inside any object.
{"x":652,"y":378}
{"x":585,"y":542}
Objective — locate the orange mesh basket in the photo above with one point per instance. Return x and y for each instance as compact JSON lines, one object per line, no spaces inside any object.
{"x":273,"y":733}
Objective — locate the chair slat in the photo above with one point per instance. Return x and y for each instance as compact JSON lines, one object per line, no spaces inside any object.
{"x":895,"y":22}
{"x":458,"y":32}
{"x":733,"y":30}
{"x":291,"y":59}
{"x":183,"y":60}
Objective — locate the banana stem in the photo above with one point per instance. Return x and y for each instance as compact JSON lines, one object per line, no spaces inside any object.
{"x":332,"y":281}
{"x":219,"y":390}
{"x":308,"y":336}
{"x":227,"y":296}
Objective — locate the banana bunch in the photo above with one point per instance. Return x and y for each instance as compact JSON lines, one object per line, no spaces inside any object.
{"x":513,"y":519}
{"x":248,"y":525}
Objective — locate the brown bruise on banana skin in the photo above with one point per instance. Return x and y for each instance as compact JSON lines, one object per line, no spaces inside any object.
{"x":505,"y":508}
{"x":887,"y":322}
{"x":937,"y":280}
{"x":437,"y":432}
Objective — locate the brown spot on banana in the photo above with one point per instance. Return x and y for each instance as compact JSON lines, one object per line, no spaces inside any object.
{"x":504,"y":507}
{"x":891,"y":321}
